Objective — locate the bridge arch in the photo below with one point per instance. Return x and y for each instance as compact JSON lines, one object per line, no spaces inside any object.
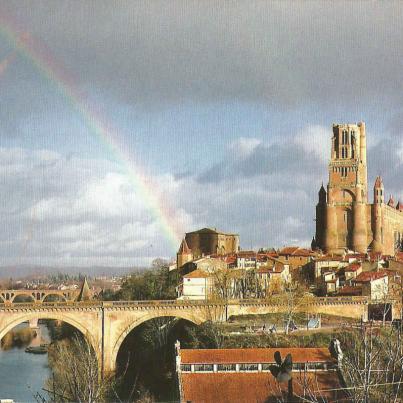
{"x":24,"y":317}
{"x":60,"y":297}
{"x":149,"y":316}
{"x":17,"y":298}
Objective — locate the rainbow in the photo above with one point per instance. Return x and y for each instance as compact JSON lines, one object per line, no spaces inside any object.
{"x":54,"y":73}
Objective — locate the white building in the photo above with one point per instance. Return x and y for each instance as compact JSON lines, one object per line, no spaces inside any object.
{"x":197,"y":285}
{"x":375,"y":284}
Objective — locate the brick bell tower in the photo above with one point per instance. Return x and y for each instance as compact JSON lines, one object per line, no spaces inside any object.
{"x":342,"y":213}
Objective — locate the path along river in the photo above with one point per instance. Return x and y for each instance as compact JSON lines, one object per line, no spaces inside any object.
{"x":23,"y":374}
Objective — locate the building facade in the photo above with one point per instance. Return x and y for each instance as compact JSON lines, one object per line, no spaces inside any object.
{"x":345,"y":220}
{"x":243,"y":375}
{"x":209,"y":241}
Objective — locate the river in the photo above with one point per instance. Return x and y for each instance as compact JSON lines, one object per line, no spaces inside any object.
{"x":23,"y":374}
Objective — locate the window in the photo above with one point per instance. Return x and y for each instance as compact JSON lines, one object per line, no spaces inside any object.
{"x":204,"y":367}
{"x":248,"y":367}
{"x":226,"y":367}
{"x":315,"y":366}
{"x":344,"y":137}
{"x":186,"y":368}
{"x":300,"y":366}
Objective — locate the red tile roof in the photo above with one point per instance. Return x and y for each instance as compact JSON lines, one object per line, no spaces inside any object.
{"x":256,"y":387}
{"x":290,"y":250}
{"x":370,"y":276}
{"x":353,"y":267}
{"x":197,"y":274}
{"x":296,"y":251}
{"x":375,"y":256}
{"x":253,"y":355}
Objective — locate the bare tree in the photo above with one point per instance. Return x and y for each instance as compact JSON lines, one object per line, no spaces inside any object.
{"x":294,"y":298}
{"x":75,"y":374}
{"x":372,"y":365}
{"x":223,"y":284}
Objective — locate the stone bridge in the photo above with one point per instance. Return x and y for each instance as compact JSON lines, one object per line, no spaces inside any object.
{"x":8,"y":296}
{"x":106,"y":324}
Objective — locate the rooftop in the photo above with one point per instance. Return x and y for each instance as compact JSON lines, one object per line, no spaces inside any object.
{"x":296,"y":251}
{"x":197,"y":274}
{"x":210,"y":231}
{"x":253,"y":355}
{"x":368,"y":276}
{"x":353,"y":267}
{"x":255,"y":387}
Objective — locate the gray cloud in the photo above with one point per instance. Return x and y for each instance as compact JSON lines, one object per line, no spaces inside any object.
{"x":328,"y":57}
{"x":282,"y":160}
{"x":280,"y":52}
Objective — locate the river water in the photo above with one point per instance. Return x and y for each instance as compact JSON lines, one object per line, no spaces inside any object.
{"x":23,"y":374}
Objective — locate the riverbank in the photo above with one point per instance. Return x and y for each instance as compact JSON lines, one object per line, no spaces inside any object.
{"x":18,"y":337}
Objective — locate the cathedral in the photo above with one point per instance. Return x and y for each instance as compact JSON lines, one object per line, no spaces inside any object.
{"x":345,"y":220}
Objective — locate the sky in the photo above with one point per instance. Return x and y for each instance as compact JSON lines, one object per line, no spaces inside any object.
{"x":125,"y":124}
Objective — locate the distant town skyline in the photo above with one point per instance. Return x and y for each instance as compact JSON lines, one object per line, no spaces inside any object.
{"x":223,"y":110}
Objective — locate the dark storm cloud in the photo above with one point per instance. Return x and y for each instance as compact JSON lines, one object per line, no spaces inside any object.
{"x":281,"y":52}
{"x":275,"y":159}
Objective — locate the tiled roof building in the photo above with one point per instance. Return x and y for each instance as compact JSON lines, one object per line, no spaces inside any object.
{"x":243,"y":375}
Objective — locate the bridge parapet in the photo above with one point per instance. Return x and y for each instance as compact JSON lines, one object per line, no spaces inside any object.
{"x":181,"y":304}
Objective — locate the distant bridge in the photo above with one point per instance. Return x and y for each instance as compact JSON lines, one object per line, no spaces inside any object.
{"x":8,"y":296}
{"x":106,"y":324}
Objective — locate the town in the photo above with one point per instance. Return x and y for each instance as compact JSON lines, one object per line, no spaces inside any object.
{"x":201,"y":201}
{"x":349,"y":281}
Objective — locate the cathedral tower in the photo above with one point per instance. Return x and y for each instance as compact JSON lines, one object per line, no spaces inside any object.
{"x":377,"y":214}
{"x":345,"y":214}
{"x":345,"y":220}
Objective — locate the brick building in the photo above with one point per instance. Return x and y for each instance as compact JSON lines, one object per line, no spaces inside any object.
{"x":345,"y":220}
{"x":243,"y":375}
{"x":206,"y":242}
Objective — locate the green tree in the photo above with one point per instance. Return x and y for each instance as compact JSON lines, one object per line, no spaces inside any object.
{"x":155,"y":284}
